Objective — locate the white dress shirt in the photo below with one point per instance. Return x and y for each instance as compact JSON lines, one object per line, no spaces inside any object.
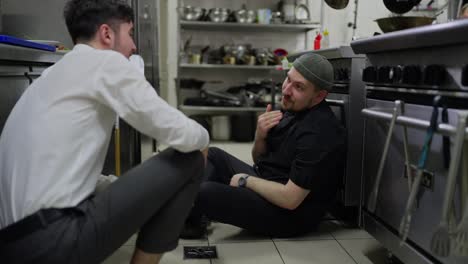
{"x":54,"y":143}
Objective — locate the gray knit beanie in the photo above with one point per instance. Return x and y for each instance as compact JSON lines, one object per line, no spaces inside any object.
{"x":316,"y":69}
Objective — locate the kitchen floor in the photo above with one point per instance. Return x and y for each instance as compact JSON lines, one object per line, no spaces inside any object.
{"x":333,"y":243}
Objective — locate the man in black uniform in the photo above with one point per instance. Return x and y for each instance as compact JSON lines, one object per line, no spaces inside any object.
{"x":298,"y":154}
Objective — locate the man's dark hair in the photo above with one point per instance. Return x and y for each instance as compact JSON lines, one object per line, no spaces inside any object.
{"x":84,"y":17}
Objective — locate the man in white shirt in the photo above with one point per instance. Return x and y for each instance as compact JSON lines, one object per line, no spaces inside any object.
{"x":53,"y":146}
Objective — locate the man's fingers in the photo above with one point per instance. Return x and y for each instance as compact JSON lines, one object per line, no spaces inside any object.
{"x":270,"y":114}
{"x":272,"y":124}
{"x":268,"y":108}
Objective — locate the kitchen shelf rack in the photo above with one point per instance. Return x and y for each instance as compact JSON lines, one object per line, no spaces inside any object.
{"x":227,"y":66}
{"x":248,"y":27}
{"x":217,"y":110}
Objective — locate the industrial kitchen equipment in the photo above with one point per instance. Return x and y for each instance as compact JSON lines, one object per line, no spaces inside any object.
{"x":414,"y":66}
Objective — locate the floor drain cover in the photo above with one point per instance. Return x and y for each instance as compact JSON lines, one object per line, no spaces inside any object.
{"x":200,"y":252}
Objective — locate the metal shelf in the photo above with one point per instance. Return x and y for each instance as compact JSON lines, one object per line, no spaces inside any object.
{"x":221,"y":110}
{"x":462,"y":94}
{"x":248,"y":27}
{"x":227,"y":66}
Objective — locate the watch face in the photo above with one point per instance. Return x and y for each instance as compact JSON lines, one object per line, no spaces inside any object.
{"x":242,"y":182}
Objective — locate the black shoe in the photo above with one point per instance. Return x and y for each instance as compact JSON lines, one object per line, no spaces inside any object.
{"x":192,"y":231}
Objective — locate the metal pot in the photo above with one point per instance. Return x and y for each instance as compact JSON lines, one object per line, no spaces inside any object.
{"x":245,"y":16}
{"x":191,"y":13}
{"x":276,"y":17}
{"x":218,"y":15}
{"x":337,"y":4}
{"x":390,"y":24}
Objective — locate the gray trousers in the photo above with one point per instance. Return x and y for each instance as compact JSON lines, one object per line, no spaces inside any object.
{"x":154,"y":198}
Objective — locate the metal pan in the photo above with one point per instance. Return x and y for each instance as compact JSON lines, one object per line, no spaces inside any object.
{"x":337,"y":4}
{"x":390,"y":24}
{"x":400,"y":6}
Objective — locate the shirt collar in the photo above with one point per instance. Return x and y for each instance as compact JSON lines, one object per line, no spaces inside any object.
{"x":82,"y":47}
{"x":305,"y":111}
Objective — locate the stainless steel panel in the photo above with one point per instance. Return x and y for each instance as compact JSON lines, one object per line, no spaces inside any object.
{"x":394,"y":189}
{"x":35,"y":20}
{"x":12,"y":86}
{"x":405,"y":253}
{"x":148,"y":37}
{"x":355,"y":133}
{"x":13,"y":53}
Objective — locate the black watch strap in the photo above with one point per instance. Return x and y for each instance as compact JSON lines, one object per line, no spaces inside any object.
{"x":243,"y":181}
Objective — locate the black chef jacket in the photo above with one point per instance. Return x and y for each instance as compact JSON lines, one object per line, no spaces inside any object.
{"x":307,"y":147}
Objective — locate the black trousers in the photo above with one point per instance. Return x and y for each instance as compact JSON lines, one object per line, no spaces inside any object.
{"x":154,"y":197}
{"x":243,"y":207}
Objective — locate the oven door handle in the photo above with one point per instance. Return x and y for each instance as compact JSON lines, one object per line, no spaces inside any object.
{"x":444,"y":129}
{"x":335,"y":102}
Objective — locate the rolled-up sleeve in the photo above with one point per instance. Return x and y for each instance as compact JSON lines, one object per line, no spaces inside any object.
{"x":125,"y":90}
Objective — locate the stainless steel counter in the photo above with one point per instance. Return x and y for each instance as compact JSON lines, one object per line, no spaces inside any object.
{"x":20,"y":54}
{"x":342,"y":52}
{"x":451,"y":33}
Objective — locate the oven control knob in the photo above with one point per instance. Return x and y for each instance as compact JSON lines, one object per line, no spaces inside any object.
{"x":337,"y":74}
{"x":411,"y":74}
{"x":396,"y":74}
{"x":341,"y":74}
{"x":346,"y":74}
{"x":383,"y":75}
{"x":435,"y":75}
{"x":369,"y":74}
{"x":465,"y":76}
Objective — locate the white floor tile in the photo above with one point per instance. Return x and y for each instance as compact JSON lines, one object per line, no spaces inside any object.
{"x":339,"y":231}
{"x":239,"y":150}
{"x":203,"y":241}
{"x":313,"y":252}
{"x":131,"y":241}
{"x":220,"y":144}
{"x":351,"y":234}
{"x":223,"y":233}
{"x":122,"y":256}
{"x":365,"y":251}
{"x":320,"y":234}
{"x":247,"y":253}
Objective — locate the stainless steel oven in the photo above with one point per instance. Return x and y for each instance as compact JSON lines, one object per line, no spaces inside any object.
{"x":405,"y":72}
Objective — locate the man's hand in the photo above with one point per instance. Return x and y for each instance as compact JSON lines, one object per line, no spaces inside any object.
{"x":266,"y":121}
{"x":235,"y":179}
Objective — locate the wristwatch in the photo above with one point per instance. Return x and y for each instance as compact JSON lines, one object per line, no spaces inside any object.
{"x":243,"y":181}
